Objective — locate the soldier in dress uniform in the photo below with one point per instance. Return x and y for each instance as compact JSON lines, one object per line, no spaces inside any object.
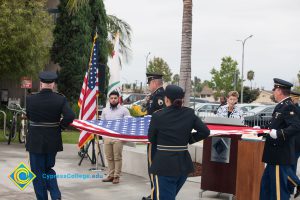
{"x":48,"y":113}
{"x":295,"y":96}
{"x":279,"y":150}
{"x":171,"y":129}
{"x":155,"y":102}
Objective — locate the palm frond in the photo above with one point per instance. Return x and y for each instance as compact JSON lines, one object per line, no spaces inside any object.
{"x":116,"y":25}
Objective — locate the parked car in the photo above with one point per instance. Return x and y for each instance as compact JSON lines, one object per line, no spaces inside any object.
{"x":196,"y":100}
{"x":132,"y":97}
{"x":245,"y":107}
{"x":205,"y":109}
{"x":137,"y":103}
{"x":259,"y":116}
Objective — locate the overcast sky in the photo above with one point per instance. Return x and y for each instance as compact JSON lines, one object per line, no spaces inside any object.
{"x":273,"y":51}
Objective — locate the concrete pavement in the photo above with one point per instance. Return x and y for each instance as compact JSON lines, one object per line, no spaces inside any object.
{"x":131,"y":187}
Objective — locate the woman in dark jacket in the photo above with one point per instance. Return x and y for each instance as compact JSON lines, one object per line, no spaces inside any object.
{"x":171,"y":129}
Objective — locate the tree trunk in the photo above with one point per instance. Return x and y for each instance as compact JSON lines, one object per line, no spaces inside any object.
{"x":186,"y":48}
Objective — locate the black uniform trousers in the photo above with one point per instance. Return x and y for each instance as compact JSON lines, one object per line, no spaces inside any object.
{"x":41,"y":165}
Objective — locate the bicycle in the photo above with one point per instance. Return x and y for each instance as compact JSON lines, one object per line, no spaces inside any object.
{"x":14,"y":127}
{"x":23,"y":128}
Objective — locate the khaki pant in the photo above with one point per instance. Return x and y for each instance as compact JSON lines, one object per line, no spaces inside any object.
{"x":113,"y":152}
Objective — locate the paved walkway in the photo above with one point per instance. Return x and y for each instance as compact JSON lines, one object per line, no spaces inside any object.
{"x":130,"y":188}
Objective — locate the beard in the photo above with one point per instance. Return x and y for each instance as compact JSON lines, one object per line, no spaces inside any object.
{"x":113,"y":106}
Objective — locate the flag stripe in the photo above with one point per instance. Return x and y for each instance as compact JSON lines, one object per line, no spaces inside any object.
{"x":89,"y":102}
{"x":83,"y":89}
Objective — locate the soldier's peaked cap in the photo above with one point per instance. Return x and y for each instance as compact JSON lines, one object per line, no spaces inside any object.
{"x":47,"y":76}
{"x":152,"y":76}
{"x":279,"y":83}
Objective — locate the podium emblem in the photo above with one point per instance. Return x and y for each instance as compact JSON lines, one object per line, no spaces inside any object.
{"x":220,"y":149}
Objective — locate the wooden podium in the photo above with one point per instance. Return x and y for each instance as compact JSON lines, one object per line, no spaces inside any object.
{"x":240,"y":174}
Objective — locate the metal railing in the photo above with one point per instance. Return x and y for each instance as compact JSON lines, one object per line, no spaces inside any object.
{"x":250,"y":118}
{"x":258,"y":119}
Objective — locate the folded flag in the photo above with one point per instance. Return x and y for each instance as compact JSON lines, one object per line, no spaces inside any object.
{"x":135,"y":129}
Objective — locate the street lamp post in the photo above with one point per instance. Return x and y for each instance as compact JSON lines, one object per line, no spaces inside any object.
{"x":147,"y":65}
{"x":147,"y":60}
{"x":234,"y":80}
{"x":242,"y":75}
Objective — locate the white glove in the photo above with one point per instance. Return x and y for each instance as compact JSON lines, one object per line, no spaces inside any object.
{"x":273,"y":134}
{"x":256,"y":127}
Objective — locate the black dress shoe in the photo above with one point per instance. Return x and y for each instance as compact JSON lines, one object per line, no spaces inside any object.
{"x":297,"y":192}
{"x":147,"y":198}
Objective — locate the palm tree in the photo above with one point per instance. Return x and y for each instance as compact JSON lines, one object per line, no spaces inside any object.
{"x":176,"y":79}
{"x":250,"y":77}
{"x":114,"y":26}
{"x":186,"y":48}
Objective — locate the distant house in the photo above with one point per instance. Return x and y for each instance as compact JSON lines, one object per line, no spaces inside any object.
{"x":207,"y":93}
{"x":264,"y":97}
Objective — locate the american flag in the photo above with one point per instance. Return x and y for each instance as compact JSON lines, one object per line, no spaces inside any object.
{"x":136,"y":129}
{"x":126,"y":129}
{"x":88,"y":96}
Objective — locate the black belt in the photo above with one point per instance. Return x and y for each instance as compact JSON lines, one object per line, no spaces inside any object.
{"x":44,"y":124}
{"x":172,"y":148}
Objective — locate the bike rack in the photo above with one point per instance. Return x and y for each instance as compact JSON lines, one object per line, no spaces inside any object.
{"x":4,"y":121}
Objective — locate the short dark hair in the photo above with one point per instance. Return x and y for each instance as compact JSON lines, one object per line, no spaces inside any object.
{"x":114,"y":93}
{"x":285,"y":91}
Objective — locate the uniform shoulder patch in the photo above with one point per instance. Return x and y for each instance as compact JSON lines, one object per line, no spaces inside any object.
{"x":160,"y":102}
